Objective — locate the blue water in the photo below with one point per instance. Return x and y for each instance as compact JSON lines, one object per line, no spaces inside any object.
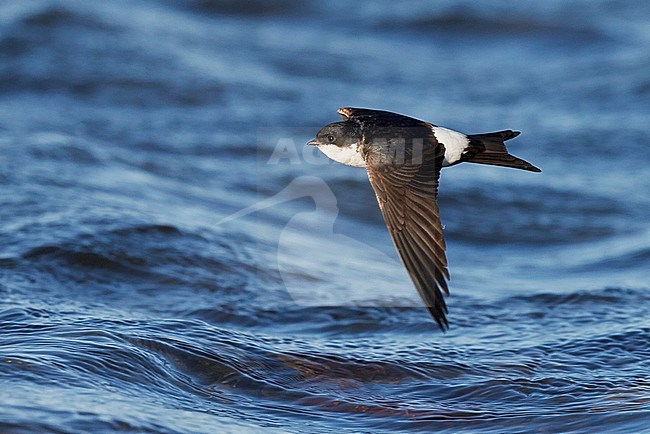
{"x":130,"y":129}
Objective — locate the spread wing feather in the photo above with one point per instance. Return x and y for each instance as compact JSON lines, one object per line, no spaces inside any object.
{"x":407,"y":196}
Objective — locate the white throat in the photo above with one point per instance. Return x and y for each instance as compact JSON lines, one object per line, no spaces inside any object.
{"x":348,"y":155}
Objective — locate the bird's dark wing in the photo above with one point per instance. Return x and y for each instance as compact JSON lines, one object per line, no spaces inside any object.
{"x":407,"y":195}
{"x":379,"y":116}
{"x":348,"y":112}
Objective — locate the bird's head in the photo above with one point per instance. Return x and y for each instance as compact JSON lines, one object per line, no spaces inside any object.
{"x":341,"y":141}
{"x":340,"y":134}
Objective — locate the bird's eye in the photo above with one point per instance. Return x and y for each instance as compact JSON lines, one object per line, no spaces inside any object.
{"x":331,"y":138}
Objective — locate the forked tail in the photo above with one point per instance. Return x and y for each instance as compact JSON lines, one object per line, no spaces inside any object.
{"x":490,"y":148}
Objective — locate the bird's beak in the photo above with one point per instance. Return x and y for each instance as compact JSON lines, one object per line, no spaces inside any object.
{"x":313,"y":142}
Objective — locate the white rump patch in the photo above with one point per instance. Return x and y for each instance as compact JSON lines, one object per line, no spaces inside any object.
{"x":455,"y":144}
{"x":348,"y":155}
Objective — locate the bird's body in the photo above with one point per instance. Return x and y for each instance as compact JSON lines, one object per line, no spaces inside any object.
{"x":403,"y":157}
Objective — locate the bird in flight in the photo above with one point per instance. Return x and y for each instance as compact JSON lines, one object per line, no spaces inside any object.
{"x":403,"y":157}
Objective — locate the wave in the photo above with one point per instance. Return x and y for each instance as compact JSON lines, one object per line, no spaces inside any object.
{"x":388,"y":380}
{"x":148,"y":251}
{"x":607,"y":296}
{"x":534,"y":215}
{"x":629,"y":259}
{"x":126,"y":72}
{"x":52,"y":17}
{"x":497,"y":26}
{"x":255,"y":8}
{"x":35,"y":26}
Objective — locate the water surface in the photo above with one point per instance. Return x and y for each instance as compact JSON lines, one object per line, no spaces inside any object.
{"x":130,"y":129}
